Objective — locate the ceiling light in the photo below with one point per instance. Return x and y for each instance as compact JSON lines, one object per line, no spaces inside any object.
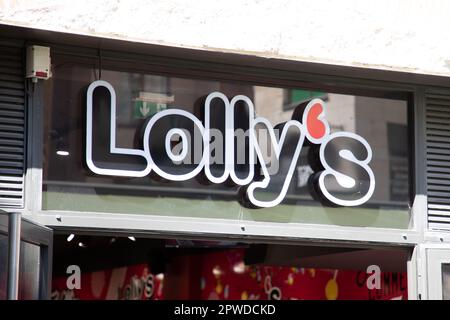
{"x":62,"y":153}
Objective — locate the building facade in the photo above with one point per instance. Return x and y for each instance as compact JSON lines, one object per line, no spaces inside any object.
{"x":311,"y":152}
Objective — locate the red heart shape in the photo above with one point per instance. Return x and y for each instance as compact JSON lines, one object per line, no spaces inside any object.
{"x":317,"y":127}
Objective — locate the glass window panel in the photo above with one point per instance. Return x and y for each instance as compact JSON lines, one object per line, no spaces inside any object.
{"x":3,"y":265}
{"x":29,"y":271}
{"x":69,"y":185}
{"x":446,"y":281}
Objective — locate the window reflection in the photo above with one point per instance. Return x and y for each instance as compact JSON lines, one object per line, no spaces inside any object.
{"x":382,"y":121}
{"x":29,"y":271}
{"x":446,"y":281}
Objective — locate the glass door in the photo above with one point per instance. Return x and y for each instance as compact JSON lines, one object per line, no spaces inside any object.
{"x":34,"y":263}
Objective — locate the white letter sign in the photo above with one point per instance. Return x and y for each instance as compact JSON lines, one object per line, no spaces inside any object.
{"x":344,"y":179}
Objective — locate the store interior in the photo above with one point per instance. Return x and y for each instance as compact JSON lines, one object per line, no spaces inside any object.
{"x":94,"y":267}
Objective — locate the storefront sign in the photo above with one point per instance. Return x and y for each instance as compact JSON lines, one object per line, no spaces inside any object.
{"x":342,"y":173}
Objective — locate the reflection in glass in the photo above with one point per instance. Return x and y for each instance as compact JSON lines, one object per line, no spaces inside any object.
{"x":446,"y":281}
{"x":29,"y":271}
{"x":70,"y":185}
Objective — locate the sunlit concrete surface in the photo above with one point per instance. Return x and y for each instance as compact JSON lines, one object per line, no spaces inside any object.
{"x":411,"y":36}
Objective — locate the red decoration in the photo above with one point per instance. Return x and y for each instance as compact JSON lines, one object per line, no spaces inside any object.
{"x":223,"y":275}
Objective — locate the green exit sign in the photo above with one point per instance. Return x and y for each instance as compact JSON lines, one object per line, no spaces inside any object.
{"x":145,"y":109}
{"x":149,"y":103}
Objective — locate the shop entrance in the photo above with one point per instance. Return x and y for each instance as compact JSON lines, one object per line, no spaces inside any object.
{"x":134,"y":267}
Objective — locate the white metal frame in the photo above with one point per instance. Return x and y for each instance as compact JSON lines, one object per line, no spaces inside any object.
{"x":428,"y":259}
{"x":129,"y":223}
{"x":435,"y":259}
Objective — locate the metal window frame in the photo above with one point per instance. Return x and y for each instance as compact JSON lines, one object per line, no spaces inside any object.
{"x":436,"y":257}
{"x":425,"y":271}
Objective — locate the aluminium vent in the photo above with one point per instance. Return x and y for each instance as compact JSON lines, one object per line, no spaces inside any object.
{"x":437,"y":115}
{"x":12,"y":125}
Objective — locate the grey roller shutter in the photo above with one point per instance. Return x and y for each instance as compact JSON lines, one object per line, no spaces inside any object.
{"x":438,"y":159}
{"x":12,"y":125}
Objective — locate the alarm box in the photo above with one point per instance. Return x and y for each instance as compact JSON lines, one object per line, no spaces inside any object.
{"x":38,"y":62}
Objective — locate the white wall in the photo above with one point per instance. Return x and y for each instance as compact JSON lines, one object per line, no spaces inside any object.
{"x":400,"y":35}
